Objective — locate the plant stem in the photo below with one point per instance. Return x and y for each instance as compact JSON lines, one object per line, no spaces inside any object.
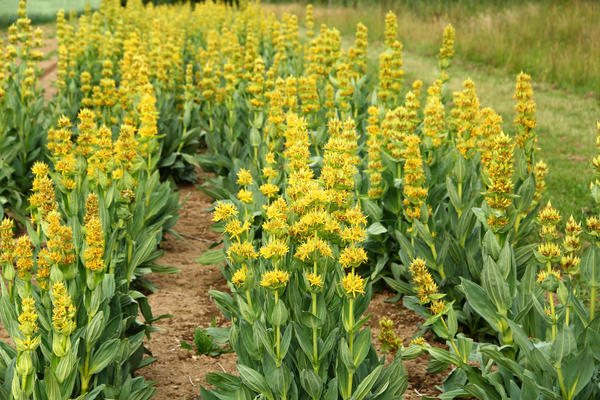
{"x":277,"y":335}
{"x":351,"y":345}
{"x":561,"y":381}
{"x":592,"y":304}
{"x":451,"y":339}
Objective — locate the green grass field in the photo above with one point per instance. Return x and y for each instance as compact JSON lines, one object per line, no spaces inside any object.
{"x":40,"y":11}
{"x":566,"y":118}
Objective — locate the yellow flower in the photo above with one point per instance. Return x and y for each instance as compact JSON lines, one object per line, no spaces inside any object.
{"x":276,"y":248}
{"x":437,"y":307}
{"x":244,"y":177}
{"x":354,"y":234}
{"x":243,"y":251}
{"x":235,"y":228}
{"x":549,"y":250}
{"x":94,"y":237}
{"x":28,"y":318}
{"x":418,"y":340}
{"x":245,"y":196}
{"x":224,"y":211}
{"x":315,"y":280}
{"x":275,"y":279}
{"x":423,"y":281}
{"x":24,"y":252}
{"x":353,"y":284}
{"x":269,"y":190}
{"x":63,"y":312}
{"x":239,"y":277}
{"x":352,"y":257}
{"x":312,"y":247}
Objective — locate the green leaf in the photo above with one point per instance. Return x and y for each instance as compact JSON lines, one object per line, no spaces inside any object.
{"x":362,"y":345}
{"x":203,"y":342}
{"x":480,"y":302}
{"x":311,"y":383}
{"x":254,"y":380}
{"x":578,"y":373}
{"x":279,"y":315}
{"x":372,"y":209}
{"x":212,"y":257}
{"x":565,"y":344}
{"x":346,"y":356}
{"x":590,"y":266}
{"x":376,"y":229}
{"x":366,"y":384}
{"x":495,"y":286}
{"x":104,"y":355}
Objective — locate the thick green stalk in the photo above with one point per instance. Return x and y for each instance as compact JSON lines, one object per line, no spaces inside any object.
{"x":351,"y":346}
{"x":278,"y":336}
{"x":592,"y":303}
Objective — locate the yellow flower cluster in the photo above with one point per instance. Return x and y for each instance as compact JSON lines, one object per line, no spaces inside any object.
{"x":415,"y":190}
{"x":374,"y":142}
{"x":464,"y":117}
{"x":63,"y":311}
{"x":434,"y":120}
{"x":499,"y":170}
{"x":389,"y":341}
{"x":94,"y":238}
{"x":427,"y":289}
{"x":446,"y":52}
{"x":549,"y":218}
{"x":525,"y":110}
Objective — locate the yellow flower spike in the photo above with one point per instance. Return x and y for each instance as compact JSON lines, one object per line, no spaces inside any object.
{"x":387,"y":337}
{"x":24,"y":254}
{"x":391,"y":27}
{"x":353,"y":284}
{"x":235,"y":228}
{"x":525,"y":110}
{"x":447,"y":50}
{"x":63,"y":312}
{"x":7,"y":241}
{"x":423,"y":281}
{"x":93,"y":255}
{"x":224,"y":211}
{"x":244,"y":177}
{"x":28,"y":318}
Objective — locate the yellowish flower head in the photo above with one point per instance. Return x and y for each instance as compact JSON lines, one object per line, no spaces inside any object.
{"x":353,"y":284}
{"x":224,"y":211}
{"x":244,"y":177}
{"x":239,"y":277}
{"x":352,"y":257}
{"x":245,"y":196}
{"x":275,"y":279}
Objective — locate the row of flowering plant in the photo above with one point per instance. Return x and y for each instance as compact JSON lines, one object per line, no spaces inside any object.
{"x":69,"y":291}
{"x":297,"y":300}
{"x":22,"y":121}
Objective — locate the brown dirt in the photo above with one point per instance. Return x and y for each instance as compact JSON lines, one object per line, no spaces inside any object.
{"x":178,"y":372}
